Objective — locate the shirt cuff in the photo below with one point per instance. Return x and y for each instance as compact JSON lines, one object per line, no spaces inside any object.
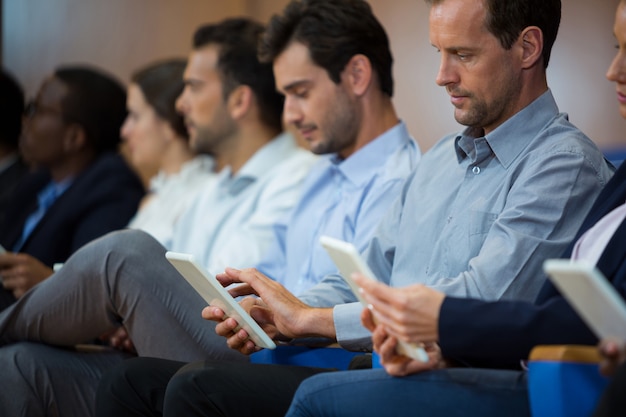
{"x":351,"y":335}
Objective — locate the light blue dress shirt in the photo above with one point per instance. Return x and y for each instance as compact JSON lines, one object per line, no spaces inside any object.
{"x":480,"y":214}
{"x":45,"y":199}
{"x":342,"y":198}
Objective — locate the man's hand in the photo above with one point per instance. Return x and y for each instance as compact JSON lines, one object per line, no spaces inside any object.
{"x":279,"y":313}
{"x":237,"y":338}
{"x":613,"y":355}
{"x":394,"y":363}
{"x":20,"y":272}
{"x":410,"y":314}
{"x":119,"y":339}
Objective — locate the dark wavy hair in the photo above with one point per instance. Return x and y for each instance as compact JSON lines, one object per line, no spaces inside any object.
{"x":238,"y":63}
{"x":333,"y":31}
{"x":506,"y":19}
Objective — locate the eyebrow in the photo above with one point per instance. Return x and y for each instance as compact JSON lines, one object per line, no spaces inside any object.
{"x":192,"y":81}
{"x":295,"y":84}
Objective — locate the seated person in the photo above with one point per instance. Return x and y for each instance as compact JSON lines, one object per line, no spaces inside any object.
{"x":479,"y":215}
{"x":486,"y":336}
{"x":156,"y":139}
{"x":82,"y":189}
{"x":12,"y":167}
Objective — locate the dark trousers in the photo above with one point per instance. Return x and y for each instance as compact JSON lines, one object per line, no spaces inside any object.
{"x":156,"y":387}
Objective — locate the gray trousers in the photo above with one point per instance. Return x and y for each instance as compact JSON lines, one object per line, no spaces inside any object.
{"x":121,"y":278}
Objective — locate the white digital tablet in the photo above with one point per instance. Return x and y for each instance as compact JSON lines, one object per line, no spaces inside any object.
{"x":347,"y":258}
{"x":214,"y":294}
{"x":591,"y":295}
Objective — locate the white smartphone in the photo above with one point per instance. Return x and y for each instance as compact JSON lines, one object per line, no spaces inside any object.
{"x":213,"y":293}
{"x":2,"y":250}
{"x":347,"y":258}
{"x":592,"y":296}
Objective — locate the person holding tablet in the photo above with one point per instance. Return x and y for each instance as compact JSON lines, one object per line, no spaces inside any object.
{"x":479,"y":215}
{"x":478,"y":337}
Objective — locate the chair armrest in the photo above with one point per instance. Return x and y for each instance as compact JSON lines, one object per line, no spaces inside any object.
{"x":564,"y":380}
{"x":565,"y":353}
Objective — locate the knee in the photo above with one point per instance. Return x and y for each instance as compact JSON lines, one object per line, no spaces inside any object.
{"x":21,"y":381}
{"x":184,"y":382}
{"x":306,"y":396}
{"x":16,"y":363}
{"x":122,"y":377}
{"x":114,"y":250}
{"x":122,"y":387}
{"x":190,"y":389}
{"x":127,"y":242}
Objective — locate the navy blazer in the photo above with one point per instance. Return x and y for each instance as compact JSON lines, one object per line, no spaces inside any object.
{"x":500,"y":333}
{"x":9,"y":179}
{"x":101,"y":199}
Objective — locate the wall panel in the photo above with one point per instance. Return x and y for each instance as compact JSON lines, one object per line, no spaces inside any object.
{"x":124,"y":34}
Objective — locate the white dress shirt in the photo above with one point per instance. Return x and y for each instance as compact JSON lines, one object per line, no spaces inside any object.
{"x":231,"y":223}
{"x":171,"y":195}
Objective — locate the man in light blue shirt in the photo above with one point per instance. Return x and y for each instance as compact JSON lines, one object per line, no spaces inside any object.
{"x":344,"y":199}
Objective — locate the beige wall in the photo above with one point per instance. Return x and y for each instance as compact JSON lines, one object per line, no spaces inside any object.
{"x":122,"y":35}
{"x":119,"y":35}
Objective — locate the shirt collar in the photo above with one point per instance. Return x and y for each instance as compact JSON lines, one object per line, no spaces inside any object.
{"x":53,"y":190}
{"x":205,"y":163}
{"x":357,"y":168}
{"x":266,"y":158}
{"x":509,"y":139}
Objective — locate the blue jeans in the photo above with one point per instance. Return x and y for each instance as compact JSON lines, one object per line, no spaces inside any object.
{"x":446,"y":393}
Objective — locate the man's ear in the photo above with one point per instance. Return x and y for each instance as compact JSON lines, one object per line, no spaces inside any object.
{"x":358,"y":74}
{"x":531,"y":43}
{"x":75,"y":138}
{"x":239,"y":101}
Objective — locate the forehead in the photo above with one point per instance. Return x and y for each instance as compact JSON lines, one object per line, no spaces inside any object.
{"x":619,"y":28}
{"x":135,"y":95}
{"x":202,"y":63}
{"x":294,"y":65}
{"x":458,"y":21}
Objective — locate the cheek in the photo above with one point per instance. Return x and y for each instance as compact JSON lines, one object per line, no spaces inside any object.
{"x":148,"y":146}
{"x":39,"y":136}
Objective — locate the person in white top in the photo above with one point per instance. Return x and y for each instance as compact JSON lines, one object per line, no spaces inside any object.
{"x":157,"y":141}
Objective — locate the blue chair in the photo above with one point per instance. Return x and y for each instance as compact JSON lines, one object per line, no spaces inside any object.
{"x":318,"y":357}
{"x":615,"y":155}
{"x":564,"y":381}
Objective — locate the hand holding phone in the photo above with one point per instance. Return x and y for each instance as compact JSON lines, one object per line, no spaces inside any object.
{"x":349,"y":261}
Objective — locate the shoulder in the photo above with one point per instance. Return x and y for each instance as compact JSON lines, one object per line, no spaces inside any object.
{"x":109,"y":173}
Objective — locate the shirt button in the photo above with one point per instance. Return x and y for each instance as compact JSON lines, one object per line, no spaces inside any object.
{"x":476,"y":170}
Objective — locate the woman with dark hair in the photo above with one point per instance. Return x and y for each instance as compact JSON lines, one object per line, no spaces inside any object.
{"x":157,"y":142}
